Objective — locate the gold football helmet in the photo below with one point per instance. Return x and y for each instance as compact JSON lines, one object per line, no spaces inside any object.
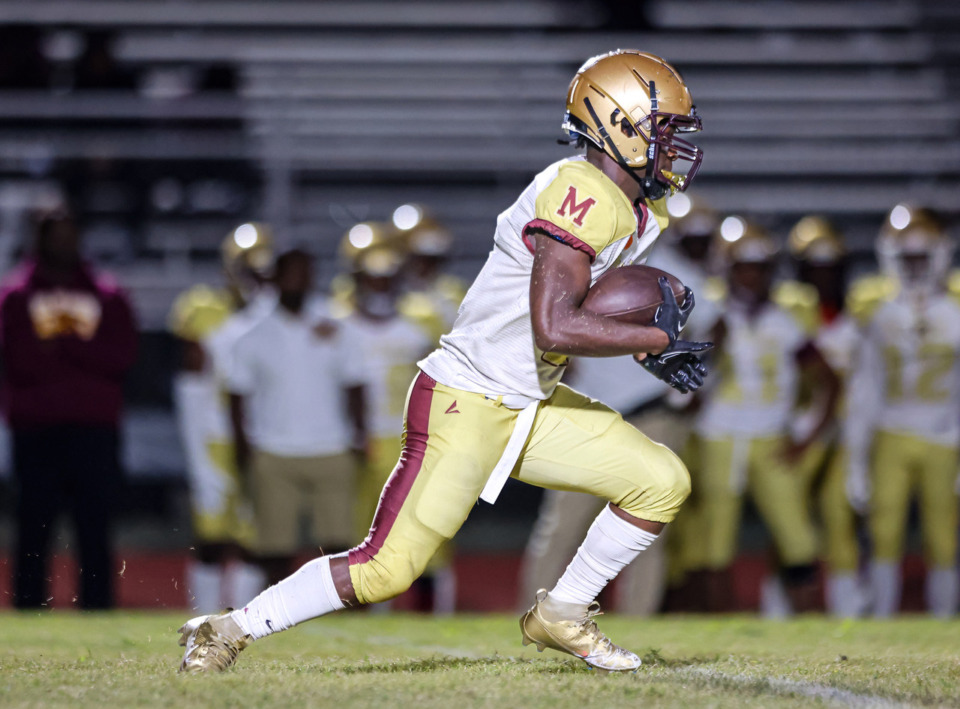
{"x":913,"y":247}
{"x":744,"y":241}
{"x":632,"y":105}
{"x":247,"y":254}
{"x":363,"y":236}
{"x":421,"y":232}
{"x":816,"y":241}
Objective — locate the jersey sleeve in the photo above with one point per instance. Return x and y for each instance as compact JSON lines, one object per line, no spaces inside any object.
{"x":580,"y":209}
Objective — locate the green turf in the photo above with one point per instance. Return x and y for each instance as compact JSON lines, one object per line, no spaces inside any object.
{"x":360,"y":660}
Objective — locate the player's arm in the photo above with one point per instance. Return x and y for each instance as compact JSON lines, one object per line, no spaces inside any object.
{"x":241,"y":444}
{"x":558,"y":285}
{"x":816,"y":369}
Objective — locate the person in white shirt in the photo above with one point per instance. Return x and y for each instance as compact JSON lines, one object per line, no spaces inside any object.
{"x":296,"y":393}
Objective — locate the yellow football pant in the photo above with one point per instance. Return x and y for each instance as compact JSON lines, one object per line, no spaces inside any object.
{"x":901,"y":467}
{"x":452,"y":441}
{"x":823,"y":469}
{"x":726,"y":469}
{"x":233,"y":521}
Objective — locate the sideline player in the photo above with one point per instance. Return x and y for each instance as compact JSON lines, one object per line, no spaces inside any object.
{"x":488,"y":404}
{"x":743,"y":442}
{"x":819,"y":294}
{"x":202,"y":319}
{"x":907,"y":393}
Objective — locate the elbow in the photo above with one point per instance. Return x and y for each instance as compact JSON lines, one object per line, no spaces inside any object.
{"x":547,"y":336}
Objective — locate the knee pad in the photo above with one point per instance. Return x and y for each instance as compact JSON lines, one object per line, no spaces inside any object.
{"x":376,"y":582}
{"x":662,"y":485}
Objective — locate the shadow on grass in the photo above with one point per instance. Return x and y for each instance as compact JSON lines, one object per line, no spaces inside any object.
{"x":496,"y":663}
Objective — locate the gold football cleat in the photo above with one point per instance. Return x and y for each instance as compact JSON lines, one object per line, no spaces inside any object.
{"x":578,"y":636}
{"x":212,"y":643}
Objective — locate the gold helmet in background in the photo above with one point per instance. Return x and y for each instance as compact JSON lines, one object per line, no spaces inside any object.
{"x":689,"y":217}
{"x":422,"y":233}
{"x":362,"y":237}
{"x":744,"y":241}
{"x":816,"y":241}
{"x":247,"y":254}
{"x":631,"y":105}
{"x":913,"y":246}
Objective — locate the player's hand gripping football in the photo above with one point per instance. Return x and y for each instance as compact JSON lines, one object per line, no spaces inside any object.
{"x":679,"y":364}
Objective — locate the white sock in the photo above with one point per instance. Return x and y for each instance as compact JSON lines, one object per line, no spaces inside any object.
{"x":774,"y":602}
{"x":885,"y":582}
{"x":243,"y":581}
{"x":843,"y":595}
{"x":942,"y":590}
{"x":611,"y":543}
{"x":204,"y":586}
{"x":308,"y":593}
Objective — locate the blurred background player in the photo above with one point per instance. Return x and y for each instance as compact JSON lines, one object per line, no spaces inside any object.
{"x":427,"y":244}
{"x":743,"y":441}
{"x":205,"y":320}
{"x":564,"y":516}
{"x":68,"y":339}
{"x":817,"y":297}
{"x":907,"y":392}
{"x":296,"y":410}
{"x":392,"y":342}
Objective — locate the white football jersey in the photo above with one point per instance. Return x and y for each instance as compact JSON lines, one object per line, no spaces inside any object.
{"x":391,"y":349}
{"x":908,"y":380}
{"x":754,"y":383}
{"x":491,"y":348}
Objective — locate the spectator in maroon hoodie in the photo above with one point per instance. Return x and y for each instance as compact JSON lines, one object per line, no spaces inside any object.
{"x":67,"y":338}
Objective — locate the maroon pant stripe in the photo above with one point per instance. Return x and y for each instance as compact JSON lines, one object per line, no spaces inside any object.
{"x":403,"y":476}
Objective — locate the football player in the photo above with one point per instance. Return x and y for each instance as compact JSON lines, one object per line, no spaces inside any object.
{"x":906,"y":390}
{"x":202,"y":319}
{"x":427,"y":243}
{"x":488,"y":405}
{"x":818,"y":298}
{"x":743,"y":441}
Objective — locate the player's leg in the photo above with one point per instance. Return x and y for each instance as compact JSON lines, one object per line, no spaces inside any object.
{"x":779,"y":494}
{"x":844,"y":595}
{"x":278,"y":503}
{"x":580,"y":444}
{"x":452,"y":441}
{"x":891,"y":478}
{"x":563,"y":519}
{"x":720,"y":481}
{"x":331,"y":491}
{"x":939,"y":522}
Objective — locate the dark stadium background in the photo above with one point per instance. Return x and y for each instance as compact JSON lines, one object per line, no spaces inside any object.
{"x":168,"y":123}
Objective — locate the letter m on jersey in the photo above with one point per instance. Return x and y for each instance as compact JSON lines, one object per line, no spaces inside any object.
{"x":575,"y":210}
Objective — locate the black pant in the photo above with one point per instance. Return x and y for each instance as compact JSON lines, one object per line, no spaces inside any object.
{"x":70,"y":467}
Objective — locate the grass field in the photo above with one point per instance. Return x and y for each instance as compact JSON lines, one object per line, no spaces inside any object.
{"x":362,"y":660}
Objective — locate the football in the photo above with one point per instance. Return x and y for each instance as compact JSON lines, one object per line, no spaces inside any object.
{"x":630,"y":294}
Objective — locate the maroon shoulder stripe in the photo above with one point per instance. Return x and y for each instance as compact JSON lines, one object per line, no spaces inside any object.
{"x":404,"y":475}
{"x":557,"y":233}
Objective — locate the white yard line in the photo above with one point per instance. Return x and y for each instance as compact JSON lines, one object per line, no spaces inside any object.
{"x":776,"y":686}
{"x":779,"y":685}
